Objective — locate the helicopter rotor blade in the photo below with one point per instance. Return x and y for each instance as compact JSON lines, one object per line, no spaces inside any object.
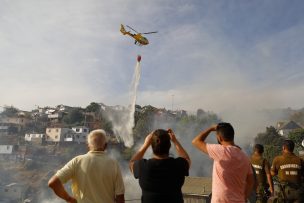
{"x":132,"y":28}
{"x":146,"y":33}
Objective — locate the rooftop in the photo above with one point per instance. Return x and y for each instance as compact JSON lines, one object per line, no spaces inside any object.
{"x":291,"y":125}
{"x":198,"y":186}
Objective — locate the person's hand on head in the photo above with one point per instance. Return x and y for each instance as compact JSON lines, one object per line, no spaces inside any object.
{"x":214,"y":127}
{"x":172,"y":135}
{"x":148,"y":139}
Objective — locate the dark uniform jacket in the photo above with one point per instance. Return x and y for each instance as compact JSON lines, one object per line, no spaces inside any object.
{"x":260,"y":166}
{"x":289,"y":167}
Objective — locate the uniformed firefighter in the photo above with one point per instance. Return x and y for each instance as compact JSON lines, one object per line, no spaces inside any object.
{"x":262,"y":171}
{"x":290,"y":171}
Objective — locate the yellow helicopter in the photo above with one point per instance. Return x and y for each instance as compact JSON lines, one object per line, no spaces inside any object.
{"x":139,"y":39}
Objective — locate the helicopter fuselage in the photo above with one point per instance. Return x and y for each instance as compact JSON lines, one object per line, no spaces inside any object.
{"x":141,"y":39}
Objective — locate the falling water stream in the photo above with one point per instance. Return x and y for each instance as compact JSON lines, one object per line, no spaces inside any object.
{"x":123,"y":127}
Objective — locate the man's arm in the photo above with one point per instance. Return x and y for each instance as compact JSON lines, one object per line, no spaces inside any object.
{"x":120,"y":198}
{"x":250,"y":185}
{"x":179,"y":148}
{"x":141,"y":152}
{"x":199,"y":140}
{"x":273,"y":170}
{"x":59,"y":190}
{"x":269,"y":178}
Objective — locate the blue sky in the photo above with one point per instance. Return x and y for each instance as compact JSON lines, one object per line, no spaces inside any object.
{"x":215,"y":55}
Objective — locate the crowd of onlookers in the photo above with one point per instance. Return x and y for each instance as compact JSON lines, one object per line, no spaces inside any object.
{"x":96,"y":178}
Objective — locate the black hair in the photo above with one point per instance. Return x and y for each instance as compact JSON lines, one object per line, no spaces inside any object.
{"x":289,"y":145}
{"x":259,"y":148}
{"x":226,"y":131}
{"x":161,"y":142}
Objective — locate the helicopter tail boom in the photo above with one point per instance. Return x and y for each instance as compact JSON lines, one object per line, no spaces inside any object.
{"x":122,"y":29}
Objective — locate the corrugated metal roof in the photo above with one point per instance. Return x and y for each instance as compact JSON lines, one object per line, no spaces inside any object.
{"x":198,"y":186}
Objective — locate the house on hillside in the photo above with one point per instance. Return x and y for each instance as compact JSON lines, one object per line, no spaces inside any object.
{"x":54,"y":115}
{"x":35,"y":138}
{"x":18,"y":120}
{"x":197,"y":189}
{"x":285,"y":128}
{"x":12,"y":152}
{"x":81,"y":133}
{"x":4,"y":130}
{"x":56,"y":135}
{"x":6,"y":149}
{"x":13,"y":124}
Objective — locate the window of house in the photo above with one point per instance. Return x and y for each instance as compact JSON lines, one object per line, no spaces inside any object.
{"x":85,"y":130}
{"x":56,"y":136}
{"x":57,"y":130}
{"x":77,"y":129}
{"x":50,"y":130}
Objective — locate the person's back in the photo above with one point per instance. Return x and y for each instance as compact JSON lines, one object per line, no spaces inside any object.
{"x":162,"y":177}
{"x":230,"y":169}
{"x":290,"y":171}
{"x":289,"y":168}
{"x":232,"y":176}
{"x":258,"y":163}
{"x":94,"y":179}
{"x":262,"y":170}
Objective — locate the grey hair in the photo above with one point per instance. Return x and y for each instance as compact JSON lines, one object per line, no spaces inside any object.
{"x":97,"y":139}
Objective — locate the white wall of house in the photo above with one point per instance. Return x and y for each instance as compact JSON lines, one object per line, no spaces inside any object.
{"x":80,"y":129}
{"x":6,"y":149}
{"x":284,"y":132}
{"x":81,"y":133}
{"x":55,"y":134}
{"x":60,"y":135}
{"x":30,"y":137}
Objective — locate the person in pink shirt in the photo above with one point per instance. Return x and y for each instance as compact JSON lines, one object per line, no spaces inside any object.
{"x":232,"y":176}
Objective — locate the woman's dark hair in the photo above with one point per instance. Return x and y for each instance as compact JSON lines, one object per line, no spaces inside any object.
{"x":226,"y":131}
{"x":161,"y":142}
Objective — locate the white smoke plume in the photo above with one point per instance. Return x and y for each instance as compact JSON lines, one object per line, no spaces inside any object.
{"x":123,"y":123}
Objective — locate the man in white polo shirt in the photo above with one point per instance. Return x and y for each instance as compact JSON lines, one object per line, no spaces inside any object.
{"x":96,"y":178}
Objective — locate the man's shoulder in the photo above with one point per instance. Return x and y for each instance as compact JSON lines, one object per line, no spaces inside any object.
{"x":215,"y":147}
{"x":278,"y":158}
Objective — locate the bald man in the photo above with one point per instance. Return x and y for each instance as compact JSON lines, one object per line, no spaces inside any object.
{"x":96,"y":178}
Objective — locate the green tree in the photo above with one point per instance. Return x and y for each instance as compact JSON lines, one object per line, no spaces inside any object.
{"x":74,"y":117}
{"x":10,"y":111}
{"x":272,"y":142}
{"x":269,"y":137}
{"x":93,"y":107}
{"x":297,"y":136}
